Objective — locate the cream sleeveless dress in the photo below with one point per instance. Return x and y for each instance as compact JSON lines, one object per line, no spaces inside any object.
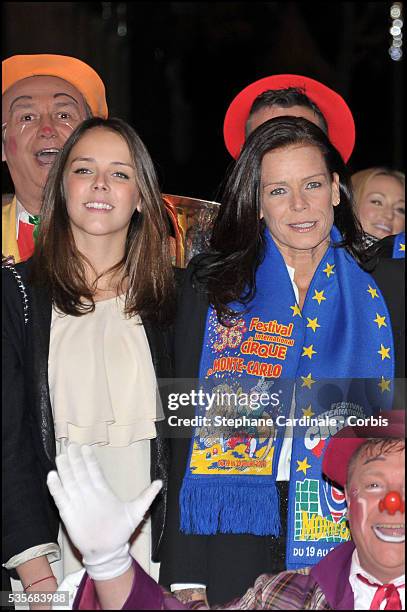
{"x":103,"y":392}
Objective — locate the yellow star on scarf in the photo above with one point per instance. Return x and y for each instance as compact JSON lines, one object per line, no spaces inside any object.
{"x":308,"y":351}
{"x":307,"y":381}
{"x":296,"y":310}
{"x":380,"y":320}
{"x":308,"y":411}
{"x":373,"y":292}
{"x":402,"y":246}
{"x":319,"y":296}
{"x":303,"y":466}
{"x":384,"y":352}
{"x":313,"y":323}
{"x":384,"y":385}
{"x":329,"y":269}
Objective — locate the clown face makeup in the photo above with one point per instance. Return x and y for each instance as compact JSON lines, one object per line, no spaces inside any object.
{"x":40,"y":114}
{"x":377,"y":526}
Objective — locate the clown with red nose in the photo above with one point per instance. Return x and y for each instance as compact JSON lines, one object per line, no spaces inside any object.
{"x":371,"y":470}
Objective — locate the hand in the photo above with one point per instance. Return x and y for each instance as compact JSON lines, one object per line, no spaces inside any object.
{"x":98,"y":523}
{"x":186,"y":596}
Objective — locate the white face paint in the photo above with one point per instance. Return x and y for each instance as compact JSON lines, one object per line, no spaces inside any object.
{"x":387,"y":532}
{"x":378,"y":535}
{"x":71,"y":127}
{"x":363,"y":510}
{"x":390,"y":532}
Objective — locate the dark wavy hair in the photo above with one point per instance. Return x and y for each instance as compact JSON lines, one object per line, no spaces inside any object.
{"x":146,"y":264}
{"x":228,"y":273}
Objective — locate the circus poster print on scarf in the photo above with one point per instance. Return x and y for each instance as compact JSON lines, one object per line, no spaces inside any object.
{"x":336,"y":356}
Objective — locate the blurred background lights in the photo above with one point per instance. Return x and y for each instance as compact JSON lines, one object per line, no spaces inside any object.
{"x":396,"y":50}
{"x":396,"y":53}
{"x":395,"y":11}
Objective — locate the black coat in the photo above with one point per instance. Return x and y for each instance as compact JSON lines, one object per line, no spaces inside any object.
{"x":228,"y":563}
{"x":30,"y":517}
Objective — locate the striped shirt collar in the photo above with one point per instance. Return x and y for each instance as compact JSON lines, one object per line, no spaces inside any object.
{"x":21,"y":215}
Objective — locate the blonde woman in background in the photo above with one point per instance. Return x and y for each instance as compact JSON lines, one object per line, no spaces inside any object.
{"x":380,"y":201}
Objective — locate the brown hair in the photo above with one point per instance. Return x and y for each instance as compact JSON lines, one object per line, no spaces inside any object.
{"x":146,"y":264}
{"x":374,"y":447}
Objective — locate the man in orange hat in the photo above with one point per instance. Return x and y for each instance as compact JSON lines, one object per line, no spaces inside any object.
{"x":367,"y":573}
{"x":44,"y":98}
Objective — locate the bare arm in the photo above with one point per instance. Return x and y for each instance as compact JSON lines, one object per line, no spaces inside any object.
{"x":112,"y":594}
{"x":33,"y":570}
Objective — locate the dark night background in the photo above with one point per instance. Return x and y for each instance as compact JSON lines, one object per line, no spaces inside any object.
{"x":172,"y":68}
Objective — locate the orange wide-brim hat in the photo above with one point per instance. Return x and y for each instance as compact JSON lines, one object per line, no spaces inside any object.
{"x":341,"y":126}
{"x":70,"y":69}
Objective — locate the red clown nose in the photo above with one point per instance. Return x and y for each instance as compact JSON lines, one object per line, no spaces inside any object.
{"x":392,"y":502}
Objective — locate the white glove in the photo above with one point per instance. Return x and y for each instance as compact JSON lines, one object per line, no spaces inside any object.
{"x":98,"y":523}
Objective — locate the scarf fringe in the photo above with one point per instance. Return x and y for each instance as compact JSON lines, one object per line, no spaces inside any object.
{"x":210,"y":508}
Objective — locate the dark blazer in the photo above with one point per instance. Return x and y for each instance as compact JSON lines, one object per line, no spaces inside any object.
{"x":30,"y":517}
{"x":228,"y":563}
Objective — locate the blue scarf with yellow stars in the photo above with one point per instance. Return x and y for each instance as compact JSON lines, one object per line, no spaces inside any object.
{"x":276,"y":366}
{"x":399,"y":246}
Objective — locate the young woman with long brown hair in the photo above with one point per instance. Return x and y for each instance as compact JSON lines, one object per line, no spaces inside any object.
{"x":85,"y":339}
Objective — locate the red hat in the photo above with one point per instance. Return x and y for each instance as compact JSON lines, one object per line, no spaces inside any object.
{"x":346,"y":442}
{"x":341,"y":126}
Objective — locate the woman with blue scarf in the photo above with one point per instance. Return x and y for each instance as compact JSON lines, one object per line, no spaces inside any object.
{"x":285,"y":305}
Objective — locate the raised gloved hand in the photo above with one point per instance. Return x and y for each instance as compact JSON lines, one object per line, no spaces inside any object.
{"x":98,"y":523}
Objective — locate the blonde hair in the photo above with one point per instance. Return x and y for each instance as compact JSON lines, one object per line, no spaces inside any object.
{"x":361,"y":179}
